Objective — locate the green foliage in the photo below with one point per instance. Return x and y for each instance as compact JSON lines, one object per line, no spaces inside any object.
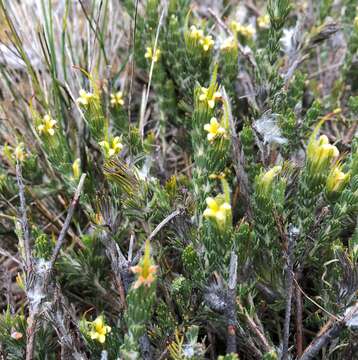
{"x":219,"y":139}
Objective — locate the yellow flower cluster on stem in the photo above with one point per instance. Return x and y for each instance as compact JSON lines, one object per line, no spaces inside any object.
{"x":217,"y":209}
{"x":214,"y":129}
{"x":99,"y":330}
{"x":20,"y":153}
{"x":198,"y":36}
{"x":209,"y":97}
{"x":145,"y":270}
{"x":336,"y":180}
{"x":47,"y":126}
{"x":150,"y":56}
{"x":112,"y":147}
{"x":117,"y":99}
{"x":320,"y":153}
{"x":266,"y":179}
{"x":248,"y":31}
{"x":263,"y":21}
{"x":86,"y":98}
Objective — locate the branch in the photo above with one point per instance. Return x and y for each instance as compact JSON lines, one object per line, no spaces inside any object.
{"x":66,"y":224}
{"x":23,"y":220}
{"x":329,"y":332}
{"x":289,"y":290}
{"x":231,"y":318}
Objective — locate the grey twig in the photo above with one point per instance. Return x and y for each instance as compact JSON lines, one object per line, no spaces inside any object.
{"x":156,"y":231}
{"x":231,"y":318}
{"x":23,"y":213}
{"x":38,"y":277}
{"x":265,"y":346}
{"x":66,"y":225}
{"x":291,"y":239}
{"x":329,"y":332}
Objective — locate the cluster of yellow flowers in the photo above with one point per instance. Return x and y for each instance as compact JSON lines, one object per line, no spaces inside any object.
{"x":320,"y":152}
{"x":15,"y":154}
{"x":86,"y":98}
{"x":47,"y":126}
{"x":247,"y":31}
{"x":209,"y":97}
{"x":112,"y":147}
{"x":197,"y":35}
{"x":266,"y":179}
{"x":150,"y":56}
{"x":218,"y":209}
{"x":214,"y":129}
{"x":263,"y":21}
{"x":145,"y":270}
{"x":336,"y":180}
{"x":117,"y":99}
{"x":99,"y":330}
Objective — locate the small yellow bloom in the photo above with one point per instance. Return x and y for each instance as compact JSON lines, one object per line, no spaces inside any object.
{"x":263,"y":21}
{"x":336,"y":180}
{"x":145,"y":270}
{"x":214,"y":129}
{"x":85,"y":98}
{"x":113,"y":147}
{"x":320,"y":152}
{"x":99,"y":330}
{"x":266,"y":178}
{"x":247,"y":31}
{"x":76,"y":168}
{"x":117,"y":99}
{"x":217,"y":208}
{"x":209,"y":99}
{"x":149,"y":54}
{"x":207,"y":42}
{"x":47,"y":126}
{"x":19,"y":152}
{"x":228,"y":44}
{"x":195,"y":33}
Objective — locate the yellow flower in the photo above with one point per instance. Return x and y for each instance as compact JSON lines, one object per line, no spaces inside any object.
{"x":85,"y":98}
{"x":209,"y":99}
{"x":214,"y":129}
{"x":244,"y":30}
{"x":117,"y":99}
{"x":356,"y":23}
{"x":217,"y":208}
{"x":47,"y":126}
{"x":263,"y":21}
{"x":19,"y":152}
{"x":113,"y":147}
{"x":336,"y":180}
{"x":195,"y":33}
{"x":320,"y":152}
{"x":266,"y":178}
{"x":149,"y":54}
{"x":99,"y":330}
{"x":145,"y":270}
{"x":228,"y":44}
{"x":76,"y":168}
{"x":207,"y":42}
